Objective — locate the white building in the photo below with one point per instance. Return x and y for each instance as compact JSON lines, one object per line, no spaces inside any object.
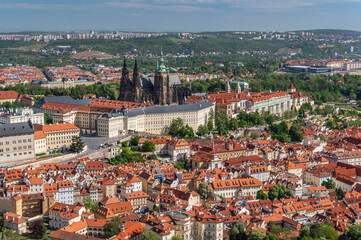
{"x":155,"y":120}
{"x":274,"y":102}
{"x":21,"y":115}
{"x":66,"y":192}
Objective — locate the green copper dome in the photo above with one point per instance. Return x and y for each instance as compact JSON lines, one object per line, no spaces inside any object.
{"x":160,"y":65}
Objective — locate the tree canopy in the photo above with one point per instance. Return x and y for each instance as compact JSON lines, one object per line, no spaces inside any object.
{"x":111,"y":228}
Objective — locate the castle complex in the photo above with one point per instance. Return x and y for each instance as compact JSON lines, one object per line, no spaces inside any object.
{"x":160,"y":89}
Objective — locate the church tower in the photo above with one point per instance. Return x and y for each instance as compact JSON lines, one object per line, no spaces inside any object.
{"x":238,"y":88}
{"x":124,"y":82}
{"x":228,"y":87}
{"x":291,"y":89}
{"x":162,"y":94}
{"x":136,"y":83}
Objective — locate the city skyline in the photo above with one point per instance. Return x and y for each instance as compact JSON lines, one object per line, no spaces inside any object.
{"x":183,"y":15}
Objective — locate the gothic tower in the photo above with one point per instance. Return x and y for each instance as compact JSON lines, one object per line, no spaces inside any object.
{"x":124,"y":82}
{"x":238,"y":88}
{"x":136,"y":83}
{"x":162,"y":94}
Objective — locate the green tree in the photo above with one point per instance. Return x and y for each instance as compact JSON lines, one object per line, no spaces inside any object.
{"x":210,"y":120}
{"x":2,"y":222}
{"x":47,"y":118}
{"x":331,"y":123}
{"x":38,"y":228}
{"x":287,"y":114}
{"x":254,"y":135}
{"x":89,"y":203}
{"x":175,"y":126}
{"x":176,"y":238}
{"x":354,"y":232}
{"x":323,"y":230}
{"x":237,"y":232}
{"x":77,"y":144}
{"x":318,"y":231}
{"x":111,"y":228}
{"x":261,"y":195}
{"x":278,"y":230}
{"x":295,"y":135}
{"x":149,"y":146}
{"x":254,"y":235}
{"x":339,"y":194}
{"x":221,"y":124}
{"x":204,"y":190}
{"x":278,"y":191}
{"x":134,"y":141}
{"x":147,"y":235}
{"x":125,"y":144}
{"x":202,"y":130}
{"x":126,"y":151}
{"x":329,"y":184}
{"x":232,"y":124}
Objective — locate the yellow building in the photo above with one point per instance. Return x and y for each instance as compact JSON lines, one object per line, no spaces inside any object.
{"x":58,"y":135}
{"x":138,"y":199}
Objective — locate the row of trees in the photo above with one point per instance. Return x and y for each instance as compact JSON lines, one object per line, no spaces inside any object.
{"x":277,"y":191}
{"x":277,"y":232}
{"x":244,"y":119}
{"x":238,"y":232}
{"x":282,"y":133}
{"x":109,"y":90}
{"x":178,"y":129}
{"x":127,"y":156}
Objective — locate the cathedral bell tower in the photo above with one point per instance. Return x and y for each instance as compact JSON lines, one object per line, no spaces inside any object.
{"x":124,"y":82}
{"x":136,"y":83}
{"x":162,"y":95}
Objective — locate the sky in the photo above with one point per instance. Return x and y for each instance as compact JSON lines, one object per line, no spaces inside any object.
{"x":179,"y":15}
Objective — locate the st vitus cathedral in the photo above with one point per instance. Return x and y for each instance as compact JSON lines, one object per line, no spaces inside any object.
{"x":160,"y":89}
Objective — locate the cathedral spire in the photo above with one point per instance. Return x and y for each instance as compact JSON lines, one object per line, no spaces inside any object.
{"x":157,"y":66}
{"x":136,"y":79}
{"x":125,"y":75}
{"x":125,"y":69}
{"x":160,"y":65}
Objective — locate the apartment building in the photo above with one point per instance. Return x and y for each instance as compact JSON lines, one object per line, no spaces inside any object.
{"x":66,"y":192}
{"x":231,"y":188}
{"x":17,"y":142}
{"x":59,"y":135}
{"x":207,"y":227}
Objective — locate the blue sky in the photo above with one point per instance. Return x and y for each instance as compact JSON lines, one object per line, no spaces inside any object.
{"x":179,"y":15}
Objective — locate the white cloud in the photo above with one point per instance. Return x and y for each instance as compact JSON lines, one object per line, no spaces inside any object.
{"x":153,"y":6}
{"x":48,"y":6}
{"x":176,"y":5}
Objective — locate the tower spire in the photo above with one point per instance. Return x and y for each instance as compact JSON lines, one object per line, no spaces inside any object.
{"x":228,"y":87}
{"x":238,"y":88}
{"x":124,"y":64}
{"x":136,"y":79}
{"x":160,"y":66}
{"x":124,"y":80}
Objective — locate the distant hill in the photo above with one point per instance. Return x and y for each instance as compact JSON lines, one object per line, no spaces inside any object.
{"x":332,"y":31}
